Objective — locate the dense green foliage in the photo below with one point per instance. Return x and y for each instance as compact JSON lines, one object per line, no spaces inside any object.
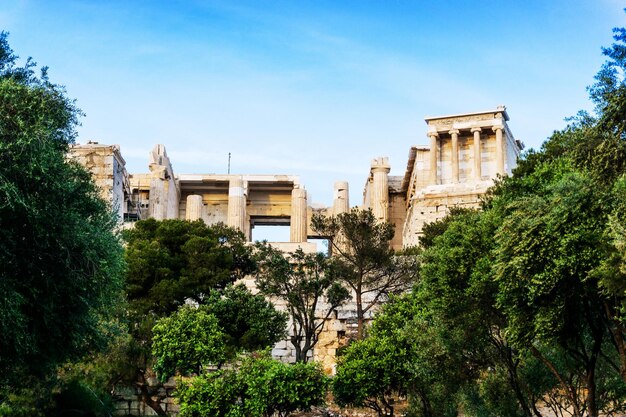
{"x":304,"y":281}
{"x":249,"y":322}
{"x":363,"y":260}
{"x":185,"y":341}
{"x":258,"y":387}
{"x":198,"y":336}
{"x":62,"y":264}
{"x":403,"y":354}
{"x":173,"y":262}
{"x":370,"y":373}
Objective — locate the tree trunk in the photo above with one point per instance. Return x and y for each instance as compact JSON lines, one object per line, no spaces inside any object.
{"x":388,"y":407}
{"x":305,"y":350}
{"x":426,"y":408}
{"x":514,"y":381}
{"x":359,"y":314}
{"x":145,"y":395}
{"x":567,"y":388}
{"x":295,"y":341}
{"x":592,"y":407}
{"x":621,"y":348}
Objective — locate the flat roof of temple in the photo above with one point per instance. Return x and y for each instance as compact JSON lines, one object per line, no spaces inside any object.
{"x":499,"y":109}
{"x":257,"y":178}
{"x":275,"y":183}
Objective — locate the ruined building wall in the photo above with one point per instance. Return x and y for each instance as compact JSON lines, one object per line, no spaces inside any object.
{"x":383,"y":195}
{"x":164,"y":192}
{"x":108,"y":169}
{"x":513,"y":149}
{"x":397,"y":210}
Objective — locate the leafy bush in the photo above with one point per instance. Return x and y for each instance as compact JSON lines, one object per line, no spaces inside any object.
{"x":260,"y":387}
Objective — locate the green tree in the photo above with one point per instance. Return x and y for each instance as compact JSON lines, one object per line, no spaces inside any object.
{"x":186,"y":341}
{"x":171,"y":262}
{"x":304,"y":282}
{"x":87,"y":385}
{"x":407,"y":351}
{"x":62,"y":264}
{"x":596,"y":145}
{"x":611,"y":273}
{"x":249,"y":321}
{"x":258,"y":387}
{"x":563,"y":238}
{"x":457,"y":290}
{"x":363,"y":260}
{"x":369,"y":374}
{"x":605,"y":158}
{"x":609,"y":95}
{"x":548,"y":246}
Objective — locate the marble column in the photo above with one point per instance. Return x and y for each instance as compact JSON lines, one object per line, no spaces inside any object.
{"x":299,"y":225}
{"x":237,"y":204}
{"x":341,"y":202}
{"x":500,"y":152}
{"x":477,"y":155}
{"x":380,"y":188}
{"x":157,"y":199}
{"x":194,"y":207}
{"x":433,"y":157}
{"x":454,"y":133}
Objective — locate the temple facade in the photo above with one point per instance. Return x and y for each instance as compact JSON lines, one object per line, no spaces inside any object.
{"x":466,"y":153}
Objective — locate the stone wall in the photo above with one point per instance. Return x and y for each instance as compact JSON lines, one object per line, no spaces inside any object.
{"x":108,"y":169}
{"x":433,"y":203}
{"x":128,"y":399}
{"x":397,"y":210}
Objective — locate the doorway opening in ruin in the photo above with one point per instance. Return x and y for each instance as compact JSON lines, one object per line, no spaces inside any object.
{"x":270,"y":228}
{"x":274,"y":233}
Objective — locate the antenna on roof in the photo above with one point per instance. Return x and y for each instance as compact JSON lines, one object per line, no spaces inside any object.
{"x":228,"y":162}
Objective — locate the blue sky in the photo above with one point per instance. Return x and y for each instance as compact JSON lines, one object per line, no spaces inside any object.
{"x":312,"y":88}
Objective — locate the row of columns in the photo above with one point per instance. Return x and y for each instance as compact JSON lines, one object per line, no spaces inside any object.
{"x":237,"y":216}
{"x":454,"y":134}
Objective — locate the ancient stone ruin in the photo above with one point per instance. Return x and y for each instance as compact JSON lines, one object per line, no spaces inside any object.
{"x":466,"y":152}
